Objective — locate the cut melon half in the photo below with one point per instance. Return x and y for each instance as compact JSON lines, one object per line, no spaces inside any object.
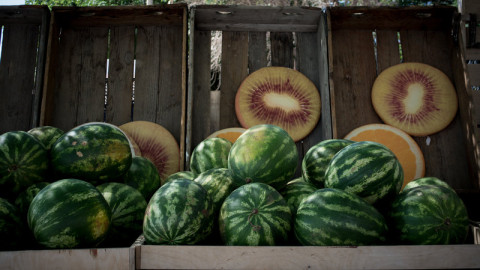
{"x":400,"y":143}
{"x":414,"y":97}
{"x":279,"y":96}
{"x":230,"y":134}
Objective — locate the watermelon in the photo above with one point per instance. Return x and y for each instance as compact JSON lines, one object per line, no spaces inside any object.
{"x":428,"y":180}
{"x":22,"y":202}
{"x":143,"y":176}
{"x":12,"y":229}
{"x":317,"y":158}
{"x":264,"y":153}
{"x":334,"y":217}
{"x":179,"y":213}
{"x":209,"y":154}
{"x":69,"y":213}
{"x":128,"y":207}
{"x":255,"y":214}
{"x":181,"y":175}
{"x":218,"y":183}
{"x":23,"y":162}
{"x":428,"y":215}
{"x":93,"y":151}
{"x":47,"y":135}
{"x":367,"y":169}
{"x":295,"y":191}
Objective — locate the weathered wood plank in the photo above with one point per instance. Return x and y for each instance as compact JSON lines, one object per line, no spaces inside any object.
{"x":17,"y":75}
{"x":120,"y":75}
{"x":282,"y":49}
{"x":234,"y":70}
{"x":388,"y":52}
{"x":257,"y":51}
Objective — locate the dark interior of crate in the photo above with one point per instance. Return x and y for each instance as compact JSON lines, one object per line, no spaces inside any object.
{"x":23,"y":34}
{"x":116,"y":64}
{"x":251,"y":38}
{"x":366,"y":41}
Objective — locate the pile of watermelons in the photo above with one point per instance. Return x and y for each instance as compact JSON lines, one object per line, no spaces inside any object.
{"x":69,"y":190}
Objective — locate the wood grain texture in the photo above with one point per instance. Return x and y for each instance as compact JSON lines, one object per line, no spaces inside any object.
{"x":257,"y":51}
{"x":282,"y":49}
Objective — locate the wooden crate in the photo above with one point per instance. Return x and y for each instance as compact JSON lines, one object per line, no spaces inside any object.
{"x":24,"y":39}
{"x":297,"y":39}
{"x":146,"y":51}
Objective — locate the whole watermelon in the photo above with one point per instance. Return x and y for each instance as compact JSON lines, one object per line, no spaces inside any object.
{"x":179,"y":213}
{"x":218,"y":183}
{"x":128,"y":208}
{"x":47,"y":135}
{"x":264,"y":153}
{"x":12,"y":227}
{"x":143,"y":176}
{"x":428,"y":215}
{"x":92,"y":152}
{"x":367,"y":169}
{"x":333,"y":217}
{"x":69,"y":213}
{"x":181,"y":175}
{"x":295,"y":191}
{"x":255,"y":214}
{"x":23,"y":162}
{"x":209,"y":154}
{"x":316,"y":160}
{"x":427,"y":180}
{"x":23,"y":200}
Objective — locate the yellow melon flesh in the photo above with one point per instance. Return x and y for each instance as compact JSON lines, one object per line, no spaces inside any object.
{"x":414,"y":97}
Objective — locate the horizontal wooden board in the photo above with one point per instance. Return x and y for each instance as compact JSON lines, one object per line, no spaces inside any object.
{"x":288,"y":257}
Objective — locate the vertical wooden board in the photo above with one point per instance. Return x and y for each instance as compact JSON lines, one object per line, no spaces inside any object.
{"x":234,"y":70}
{"x":257,"y":51}
{"x":17,"y":70}
{"x":353,"y":74}
{"x":282,"y":49}
{"x":201,"y":126}
{"x":388,"y":53}
{"x":432,"y":48}
{"x":80,"y":82}
{"x":146,"y":73}
{"x":120,"y":75}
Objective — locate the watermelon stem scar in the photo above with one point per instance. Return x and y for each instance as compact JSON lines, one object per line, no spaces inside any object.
{"x":254,"y":227}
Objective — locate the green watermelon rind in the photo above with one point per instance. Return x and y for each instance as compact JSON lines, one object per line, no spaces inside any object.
{"x":209,"y":154}
{"x":143,"y":176}
{"x":218,"y":183}
{"x":47,"y":135}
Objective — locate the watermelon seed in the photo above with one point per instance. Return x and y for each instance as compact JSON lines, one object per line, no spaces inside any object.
{"x":254,"y":227}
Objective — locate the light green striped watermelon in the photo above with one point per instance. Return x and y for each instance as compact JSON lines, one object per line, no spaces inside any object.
{"x":255,"y":214}
{"x":12,"y":227}
{"x":317,"y":158}
{"x":209,"y":154}
{"x":218,"y":183}
{"x":143,"y":176}
{"x":367,"y":169}
{"x":428,"y":215}
{"x":69,"y":213}
{"x":94,"y":151}
{"x":23,"y":162}
{"x":128,"y":208}
{"x":179,"y":213}
{"x":333,"y":217}
{"x":47,"y":135}
{"x":295,"y":191}
{"x":23,"y":200}
{"x":264,"y":153}
{"x":428,"y":180}
{"x":181,"y":175}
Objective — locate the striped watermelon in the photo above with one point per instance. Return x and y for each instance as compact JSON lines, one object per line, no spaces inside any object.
{"x":47,"y":135}
{"x":181,"y":175}
{"x":179,"y":213}
{"x":255,"y":214}
{"x":428,"y":215}
{"x":209,"y":154}
{"x":69,"y":213}
{"x":428,"y":180}
{"x":143,"y":176}
{"x":367,"y":169}
{"x":23,"y":162}
{"x":295,"y":191}
{"x":317,"y":158}
{"x":218,"y":183}
{"x":128,"y":208}
{"x":264,"y":153}
{"x":12,"y":228}
{"x":93,"y":152}
{"x":334,"y":217}
{"x":23,"y":200}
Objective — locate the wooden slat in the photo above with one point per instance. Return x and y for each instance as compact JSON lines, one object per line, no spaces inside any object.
{"x":120,"y":77}
{"x":17,"y":74}
{"x":257,"y":50}
{"x":282,"y":49}
{"x":470,"y":6}
{"x":388,"y":53}
{"x":25,"y":14}
{"x":234,"y":71}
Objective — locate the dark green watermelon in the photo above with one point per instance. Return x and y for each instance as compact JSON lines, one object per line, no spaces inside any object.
{"x":12,"y":228}
{"x":295,"y":191}
{"x":23,"y":200}
{"x":209,"y":154}
{"x":23,"y":162}
{"x":181,"y":175}
{"x":143,"y":176}
{"x":47,"y":135}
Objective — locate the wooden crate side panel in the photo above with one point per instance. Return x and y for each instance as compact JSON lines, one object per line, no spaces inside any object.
{"x":257,"y":51}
